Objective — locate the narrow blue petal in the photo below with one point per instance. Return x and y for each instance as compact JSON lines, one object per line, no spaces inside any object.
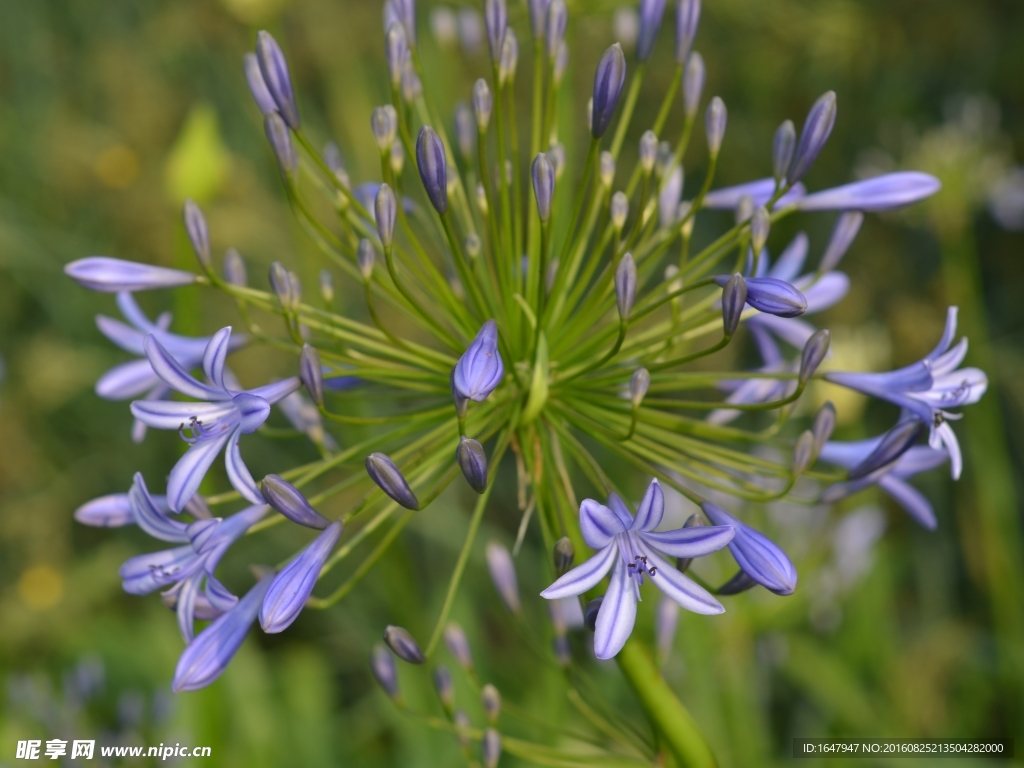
{"x":758,"y":556}
{"x":911,"y":499}
{"x":149,"y":515}
{"x":789,"y":264}
{"x":164,"y":414}
{"x":617,"y":615}
{"x":651,"y":509}
{"x":690,"y":542}
{"x":598,"y":523}
{"x":882,"y":193}
{"x":278,"y":390}
{"x":124,"y":336}
{"x":133,"y":314}
{"x":215,"y":355}
{"x":618,"y":506}
{"x":217,"y":595}
{"x":252,"y":411}
{"x":127,"y":380}
{"x":679,"y":588}
{"x":825,"y":291}
{"x":294,"y":584}
{"x":171,"y":371}
{"x":107,"y":275}
{"x":760,"y":192}
{"x":238,"y":474}
{"x":185,"y":607}
{"x":110,"y":511}
{"x":947,"y":334}
{"x":791,"y":330}
{"x":188,"y":473}
{"x":583,"y":577}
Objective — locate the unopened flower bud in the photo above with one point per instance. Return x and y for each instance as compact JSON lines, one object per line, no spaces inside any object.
{"x":396,"y":52}
{"x":327,"y":287}
{"x":433,"y":166}
{"x":458,"y":646}
{"x":281,"y":142}
{"x":814,"y":352}
{"x":693,"y":84}
{"x":444,"y":24}
{"x":496,"y":21}
{"x":608,"y":82}
{"x":445,"y":690}
{"x":278,"y":81}
{"x":385,"y":210}
{"x":760,"y":225}
{"x":198,"y":233}
{"x":714,"y":125}
{"x":503,"y":574}
{"x":565,"y":553}
{"x":382,"y":664}
{"x":625,"y":286}
{"x":561,"y":63}
{"x":648,"y":151}
{"x":687,"y":17}
{"x":295,"y":289}
{"x":639,"y":383}
{"x":619,"y":210}
{"x":558,"y":19}
{"x":472,"y":460}
{"x":384,"y":123}
{"x":846,"y":229}
{"x":816,"y":130}
{"x":491,"y":700}
{"x":403,"y":645}
{"x":509,"y":57}
{"x":896,"y":442}
{"x":383,"y":471}
{"x":734,"y":297}
{"x":257,"y":87}
{"x":590,"y":612}
{"x":289,"y":501}
{"x":412,"y":87}
{"x":651,"y":13}
{"x":480,"y":369}
{"x":824,"y":423}
{"x":365,"y":257}
{"x":538,"y":17}
{"x":490,"y":749}
{"x":481,"y":199}
{"x":543,"y":173}
{"x":465,"y":132}
{"x":483,"y":103}
{"x":311,"y":373}
{"x":772,"y":296}
{"x":782,"y":149}
{"x":281,"y":285}
{"x":803,"y":452}
{"x":234,"y":268}
{"x":606,"y":169}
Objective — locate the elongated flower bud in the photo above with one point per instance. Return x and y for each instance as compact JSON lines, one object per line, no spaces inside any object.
{"x":714,"y":124}
{"x":480,"y":370}
{"x":465,"y":132}
{"x":278,"y":81}
{"x":491,"y":700}
{"x":458,"y":646}
{"x":565,"y":553}
{"x":280,"y":283}
{"x":311,"y":373}
{"x":503,"y":574}
{"x":294,"y":584}
{"x":258,"y":88}
{"x":687,"y":18}
{"x":558,"y":20}
{"x":625,"y":286}
{"x":824,"y":423}
{"x":590,"y":612}
{"x":639,"y":383}
{"x":648,"y":151}
{"x":396,"y":48}
{"x":561,"y":63}
{"x":445,"y":689}
{"x":893,"y":445}
{"x":403,"y":645}
{"x":814,"y":352}
{"x":405,"y":11}
{"x":608,"y":82}
{"x":771,"y":295}
{"x":760,"y":226}
{"x":234,"y":268}
{"x":385,"y":211}
{"x":538,"y":17}
{"x":543,"y":173}
{"x":734,"y":297}
{"x":759,"y":557}
{"x":496,"y":21}
{"x":433,"y":166}
{"x":783,"y":146}
{"x":365,"y":257}
{"x":383,"y":471}
{"x":651,"y":14}
{"x":693,"y":84}
{"x":382,"y":664}
{"x":326,"y":287}
{"x":333,"y":158}
{"x":509,"y":57}
{"x":606,"y":169}
{"x":289,"y":501}
{"x":472,"y":460}
{"x":198,"y":233}
{"x":744,"y":210}
{"x":803,"y":452}
{"x":815,"y":133}
{"x":490,"y":748}
{"x":384,"y":123}
{"x":281,"y":142}
{"x":619,"y":210}
{"x":483,"y":102}
{"x":668,"y":197}
{"x":846,"y":229}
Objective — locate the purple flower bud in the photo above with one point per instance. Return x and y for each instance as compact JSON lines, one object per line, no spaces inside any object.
{"x":258,"y":88}
{"x":693,"y":84}
{"x":783,"y":146}
{"x":385,"y":211}
{"x":274,"y":69}
{"x":625,"y":286}
{"x":606,"y":170}
{"x":311,"y":373}
{"x":896,"y":442}
{"x":846,"y":229}
{"x":558,"y":20}
{"x":814,"y":352}
{"x":383,"y":471}
{"x":209,"y":654}
{"x":480,"y":370}
{"x":590,"y":612}
{"x":619,"y":210}
{"x":687,"y":18}
{"x":714,"y":125}
{"x":744,"y":209}
{"x":503,"y":574}
{"x":396,"y":49}
{"x":509,"y":57}
{"x":403,"y":645}
{"x":772,"y":296}
{"x":289,"y":501}
{"x":561,"y":63}
{"x":472,"y":460}
{"x":648,"y":151}
{"x":483,"y":102}
{"x":651,"y":14}
{"x":803,"y":452}
{"x":543,"y":173}
{"x":458,"y":646}
{"x":465,"y":132}
{"x":824,"y":423}
{"x":234,"y":268}
{"x":412,"y":87}
{"x":639,"y":383}
{"x":760,"y":226}
{"x":111,"y":511}
{"x":759,"y":557}
{"x":444,"y":687}
{"x":815,"y":133}
{"x":734,"y":296}
{"x":334,"y":161}
{"x":405,"y":11}
{"x":490,"y":748}
{"x":882,"y":193}
{"x":294,"y":584}
{"x":608,"y":82}
{"x":198,"y":233}
{"x":365,"y":257}
{"x":326,"y":287}
{"x":433,"y":167}
{"x":556,"y":154}
{"x":491,"y":700}
{"x":280,"y":284}
{"x":539,"y":17}
{"x":565,"y":553}
{"x":382,"y":664}
{"x":384,"y":123}
{"x":668,"y":198}
{"x":496,"y":21}
{"x":281,"y":142}
{"x":107,"y":275}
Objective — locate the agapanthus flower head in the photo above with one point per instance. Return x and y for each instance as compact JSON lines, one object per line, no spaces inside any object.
{"x":509,"y":57}
{"x":483,"y":102}
{"x":632,"y":550}
{"x":490,"y":748}
{"x":385,"y":209}
{"x":480,"y":370}
{"x":564,"y":554}
{"x":608,"y":82}
{"x":539,"y":17}
{"x":458,"y":645}
{"x":291,"y":587}
{"x":734,"y":297}
{"x":758,"y":556}
{"x":814,"y":353}
{"x":771,"y":295}
{"x":198,"y":232}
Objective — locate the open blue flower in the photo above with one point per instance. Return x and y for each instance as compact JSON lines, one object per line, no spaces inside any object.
{"x":218,"y":421}
{"x":630,"y":549}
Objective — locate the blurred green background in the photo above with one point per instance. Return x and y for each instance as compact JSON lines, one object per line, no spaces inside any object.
{"x":112,"y":113}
